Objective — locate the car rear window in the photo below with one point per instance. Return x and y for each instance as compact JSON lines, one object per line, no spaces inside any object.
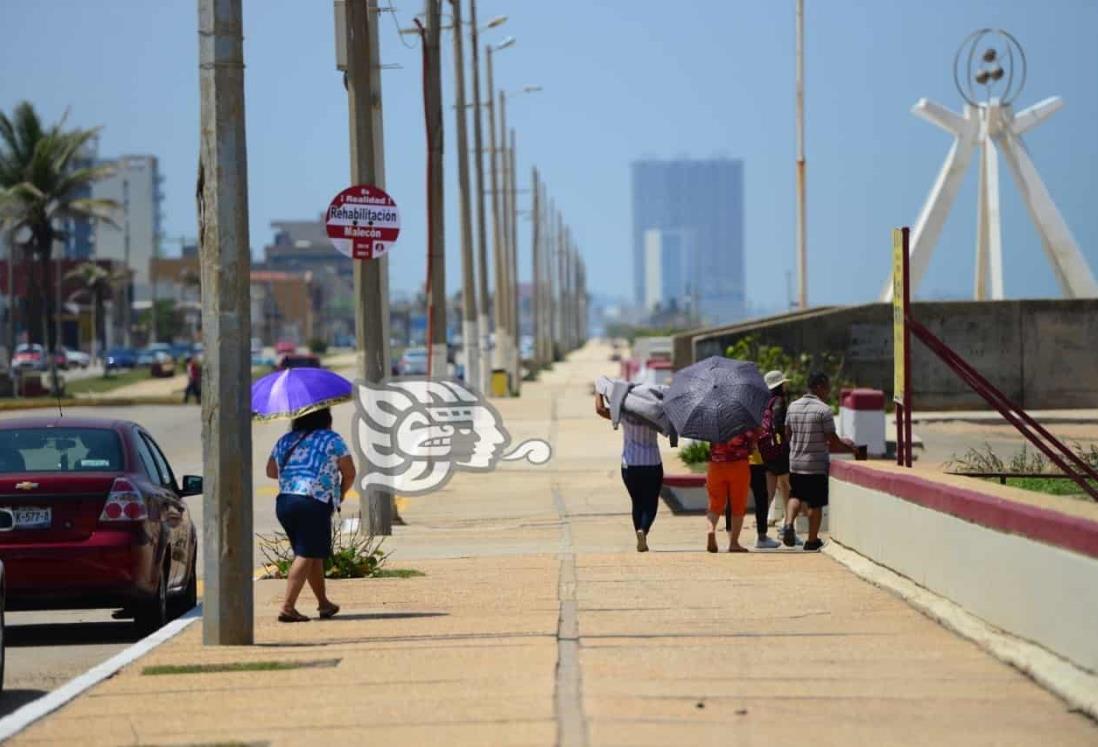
{"x":60,"y":450}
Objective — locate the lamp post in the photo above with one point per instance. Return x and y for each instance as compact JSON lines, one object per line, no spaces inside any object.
{"x":482,"y":228}
{"x":470,"y":332}
{"x":498,"y":253}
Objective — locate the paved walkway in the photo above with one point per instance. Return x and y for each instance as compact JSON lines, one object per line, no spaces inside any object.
{"x":538,"y":623}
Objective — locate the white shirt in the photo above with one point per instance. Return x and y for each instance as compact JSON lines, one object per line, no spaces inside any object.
{"x":640,"y":447}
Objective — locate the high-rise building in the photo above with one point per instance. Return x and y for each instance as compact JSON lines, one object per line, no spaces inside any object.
{"x":79,"y":232}
{"x":134,"y":239}
{"x":688,"y":236}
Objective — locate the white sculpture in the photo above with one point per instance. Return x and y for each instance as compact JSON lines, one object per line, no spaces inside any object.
{"x":993,"y":125}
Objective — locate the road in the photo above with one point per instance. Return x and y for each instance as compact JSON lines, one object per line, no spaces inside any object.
{"x":46,"y":649}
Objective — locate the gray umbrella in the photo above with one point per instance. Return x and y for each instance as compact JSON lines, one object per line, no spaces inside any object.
{"x":716,"y":399}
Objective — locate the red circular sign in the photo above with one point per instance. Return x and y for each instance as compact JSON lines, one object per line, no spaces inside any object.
{"x":363,"y":222}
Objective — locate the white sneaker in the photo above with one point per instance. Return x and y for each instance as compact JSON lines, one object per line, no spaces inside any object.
{"x":642,"y":541}
{"x":765,"y":543}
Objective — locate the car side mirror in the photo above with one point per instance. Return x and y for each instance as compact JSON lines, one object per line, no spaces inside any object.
{"x":192,"y":485}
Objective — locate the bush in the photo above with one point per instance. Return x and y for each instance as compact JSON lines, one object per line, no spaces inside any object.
{"x":795,"y":368}
{"x":356,"y":554}
{"x":318,"y":346}
{"x":695,"y":452}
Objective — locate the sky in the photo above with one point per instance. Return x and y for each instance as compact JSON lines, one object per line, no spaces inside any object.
{"x":621,"y":80}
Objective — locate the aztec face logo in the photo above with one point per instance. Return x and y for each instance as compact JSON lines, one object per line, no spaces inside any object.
{"x":413,"y":434}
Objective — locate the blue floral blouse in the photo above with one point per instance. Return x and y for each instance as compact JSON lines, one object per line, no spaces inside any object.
{"x":313,"y":467}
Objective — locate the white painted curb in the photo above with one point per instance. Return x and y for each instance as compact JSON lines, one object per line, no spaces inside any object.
{"x":18,"y":720}
{"x":1075,"y":685}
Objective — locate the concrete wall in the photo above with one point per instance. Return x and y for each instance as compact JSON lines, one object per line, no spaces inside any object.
{"x":1025,"y":570}
{"x":1042,"y":354}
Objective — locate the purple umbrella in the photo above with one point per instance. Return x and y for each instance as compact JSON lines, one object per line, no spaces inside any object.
{"x":296,"y":392}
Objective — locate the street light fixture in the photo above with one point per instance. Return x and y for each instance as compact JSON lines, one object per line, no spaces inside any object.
{"x":508,"y":42}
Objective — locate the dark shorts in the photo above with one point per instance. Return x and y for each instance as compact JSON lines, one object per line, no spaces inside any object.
{"x":307,"y":523}
{"x":811,"y":489}
{"x":779,"y":466}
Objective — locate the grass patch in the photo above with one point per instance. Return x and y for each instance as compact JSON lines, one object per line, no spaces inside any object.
{"x":239,"y":666}
{"x":398,"y":573}
{"x":101,"y":384}
{"x":1051,"y":487}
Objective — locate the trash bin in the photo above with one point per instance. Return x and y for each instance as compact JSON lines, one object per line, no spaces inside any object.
{"x":501,"y":382}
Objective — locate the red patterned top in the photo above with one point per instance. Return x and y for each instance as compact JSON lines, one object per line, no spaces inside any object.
{"x":735,"y":449}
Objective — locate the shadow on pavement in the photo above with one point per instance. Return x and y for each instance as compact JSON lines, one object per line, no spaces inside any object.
{"x":13,"y":700}
{"x":69,"y":634}
{"x":385,"y":616}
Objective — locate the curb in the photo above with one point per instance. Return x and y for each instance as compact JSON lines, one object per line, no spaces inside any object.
{"x":1076,"y":686}
{"x":22,"y":718}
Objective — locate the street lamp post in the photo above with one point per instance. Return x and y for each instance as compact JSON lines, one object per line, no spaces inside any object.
{"x":482,"y":228}
{"x":470,"y":331}
{"x":498,"y":251}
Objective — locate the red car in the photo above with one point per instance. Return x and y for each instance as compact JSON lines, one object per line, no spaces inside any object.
{"x":99,"y":520}
{"x":284,"y":347}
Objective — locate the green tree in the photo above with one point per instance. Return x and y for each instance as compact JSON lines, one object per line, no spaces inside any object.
{"x":41,"y":187}
{"x":98,"y":283}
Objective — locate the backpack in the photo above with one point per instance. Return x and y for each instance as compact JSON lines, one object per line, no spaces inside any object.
{"x":771,"y":444}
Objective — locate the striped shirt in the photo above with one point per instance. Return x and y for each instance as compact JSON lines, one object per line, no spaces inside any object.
{"x":812,"y":422}
{"x":640,"y":446}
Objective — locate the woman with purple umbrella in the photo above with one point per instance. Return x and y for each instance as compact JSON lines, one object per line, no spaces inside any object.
{"x":314,"y":469}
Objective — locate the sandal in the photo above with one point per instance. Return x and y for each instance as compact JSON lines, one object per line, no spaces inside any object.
{"x":293,"y":616}
{"x":326,"y":613}
{"x":738,"y":548}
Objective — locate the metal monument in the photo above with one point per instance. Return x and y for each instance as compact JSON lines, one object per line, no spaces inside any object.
{"x":989,"y":71}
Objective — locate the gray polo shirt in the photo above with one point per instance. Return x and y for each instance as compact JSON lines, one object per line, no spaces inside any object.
{"x":811,"y":421}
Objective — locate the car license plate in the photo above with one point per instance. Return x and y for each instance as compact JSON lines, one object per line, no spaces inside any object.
{"x":32,"y":518}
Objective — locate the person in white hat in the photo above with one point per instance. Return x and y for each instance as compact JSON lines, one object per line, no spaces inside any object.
{"x":774,"y":447}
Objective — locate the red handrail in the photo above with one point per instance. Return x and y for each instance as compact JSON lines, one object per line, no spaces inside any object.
{"x":1015,"y":415}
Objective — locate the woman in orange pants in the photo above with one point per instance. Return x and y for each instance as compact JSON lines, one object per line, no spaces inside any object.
{"x":728,"y":481}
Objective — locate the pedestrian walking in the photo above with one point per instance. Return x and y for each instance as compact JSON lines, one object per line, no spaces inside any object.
{"x":728,"y":481}
{"x":639,"y":410}
{"x":315,"y":470}
{"x":810,"y":429}
{"x":641,"y":468}
{"x":194,"y":380}
{"x":762,"y":493}
{"x":774,"y":448}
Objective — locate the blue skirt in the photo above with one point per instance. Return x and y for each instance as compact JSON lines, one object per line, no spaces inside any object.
{"x":307,"y":523}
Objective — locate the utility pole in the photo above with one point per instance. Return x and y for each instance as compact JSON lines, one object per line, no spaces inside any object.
{"x":357,"y":36}
{"x":558,"y":271}
{"x":436,"y":249}
{"x":482,"y":228}
{"x":507,"y":344}
{"x":802,"y":252}
{"x":547,"y":270}
{"x":127,"y":309}
{"x":470,"y":331}
{"x":535,"y":250}
{"x":225,"y":256}
{"x":500,"y":243}
{"x":516,"y":309}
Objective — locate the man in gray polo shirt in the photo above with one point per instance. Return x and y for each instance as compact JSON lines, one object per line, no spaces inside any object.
{"x":810,"y":431}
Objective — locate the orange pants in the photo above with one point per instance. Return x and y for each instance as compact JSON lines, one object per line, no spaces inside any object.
{"x":728,"y":481}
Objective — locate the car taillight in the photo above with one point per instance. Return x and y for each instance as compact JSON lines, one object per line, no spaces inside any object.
{"x":124,"y":503}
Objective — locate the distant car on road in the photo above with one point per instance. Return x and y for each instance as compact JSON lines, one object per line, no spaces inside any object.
{"x":299,"y":360}
{"x":413,"y":362}
{"x":29,"y":357}
{"x":76,"y":358}
{"x":99,"y":520}
{"x":284,"y":347}
{"x":163,"y":365}
{"x":117,"y":358}
{"x":260,"y":360}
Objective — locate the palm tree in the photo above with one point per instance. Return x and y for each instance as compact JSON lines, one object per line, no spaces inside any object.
{"x":40,"y":188}
{"x":96,"y":282}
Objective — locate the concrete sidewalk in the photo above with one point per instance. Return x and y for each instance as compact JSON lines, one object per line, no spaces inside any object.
{"x":538,"y":623}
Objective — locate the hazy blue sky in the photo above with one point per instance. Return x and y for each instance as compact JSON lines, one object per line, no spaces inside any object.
{"x":623,"y":79}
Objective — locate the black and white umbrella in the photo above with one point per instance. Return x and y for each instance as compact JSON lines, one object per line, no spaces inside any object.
{"x":716,"y":399}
